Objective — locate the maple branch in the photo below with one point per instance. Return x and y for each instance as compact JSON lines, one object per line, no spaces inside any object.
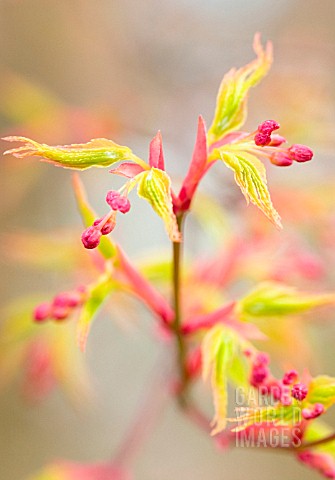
{"x":176,"y":325}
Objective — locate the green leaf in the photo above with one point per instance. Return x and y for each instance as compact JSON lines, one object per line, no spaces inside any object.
{"x":239,"y":371}
{"x":278,"y":415}
{"x":231,"y":103}
{"x":218,"y":351}
{"x":97,"y":295}
{"x":98,"y":152}
{"x":106,"y":247}
{"x":322,"y":390}
{"x":271,"y":299}
{"x":316,"y":430}
{"x":155,"y":187}
{"x":250,"y":176}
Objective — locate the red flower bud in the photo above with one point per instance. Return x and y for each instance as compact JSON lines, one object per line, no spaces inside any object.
{"x":281,"y":159}
{"x":262,"y":358}
{"x":91,"y":237}
{"x":316,"y":411}
{"x":262,"y":139}
{"x":300,"y":153}
{"x":41,"y":312}
{"x":60,"y":313}
{"x":268,"y":127}
{"x":290,"y":377}
{"x":117,"y":201}
{"x":67,"y":299}
{"x":111,"y":196}
{"x":299,"y":391}
{"x":277,"y":140}
{"x":258,"y":375}
{"x":123,"y":205}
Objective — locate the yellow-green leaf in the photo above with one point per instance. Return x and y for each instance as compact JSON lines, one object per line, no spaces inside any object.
{"x":155,"y":187}
{"x":96,"y":296}
{"x":98,"y":152}
{"x":272,"y":299}
{"x":322,"y":390}
{"x":106,"y":246}
{"x":218,"y":351}
{"x":250,"y":176}
{"x":231,"y":104}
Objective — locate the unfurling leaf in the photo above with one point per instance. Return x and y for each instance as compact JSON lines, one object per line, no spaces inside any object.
{"x":97,"y":294}
{"x":219,"y":347}
{"x":106,"y":246}
{"x":271,"y":299}
{"x":322,"y":390}
{"x":99,"y":152}
{"x":156,"y":155}
{"x":196,"y":170}
{"x":231,"y":104}
{"x":155,"y":187}
{"x":250,"y":176}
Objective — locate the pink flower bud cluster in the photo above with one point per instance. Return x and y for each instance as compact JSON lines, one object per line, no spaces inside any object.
{"x":284,"y":157}
{"x":117,"y":201}
{"x":299,"y":391}
{"x":283,"y":390}
{"x":260,"y":371}
{"x":297,"y":152}
{"x":103,"y":226}
{"x":61,"y":306}
{"x":264,"y":130}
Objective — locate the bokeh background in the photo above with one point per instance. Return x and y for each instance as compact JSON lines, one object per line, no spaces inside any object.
{"x":72,"y":70}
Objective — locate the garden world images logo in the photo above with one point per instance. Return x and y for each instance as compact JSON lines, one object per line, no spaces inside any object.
{"x":263,"y":424}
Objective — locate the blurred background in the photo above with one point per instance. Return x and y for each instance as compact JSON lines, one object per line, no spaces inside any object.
{"x":72,"y":70}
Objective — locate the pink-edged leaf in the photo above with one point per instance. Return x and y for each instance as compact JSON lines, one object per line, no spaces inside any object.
{"x":197,"y":168}
{"x":127,"y":169}
{"x":156,"y":156}
{"x":144,"y":289}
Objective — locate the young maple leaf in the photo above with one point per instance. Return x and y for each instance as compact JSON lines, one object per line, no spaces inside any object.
{"x":98,"y":152}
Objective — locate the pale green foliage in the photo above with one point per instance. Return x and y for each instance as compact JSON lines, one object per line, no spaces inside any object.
{"x":98,"y":152}
{"x":220,"y":348}
{"x":322,"y":390}
{"x":271,"y":299}
{"x":231,"y":103}
{"x":250,"y":176}
{"x":155,"y":187}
